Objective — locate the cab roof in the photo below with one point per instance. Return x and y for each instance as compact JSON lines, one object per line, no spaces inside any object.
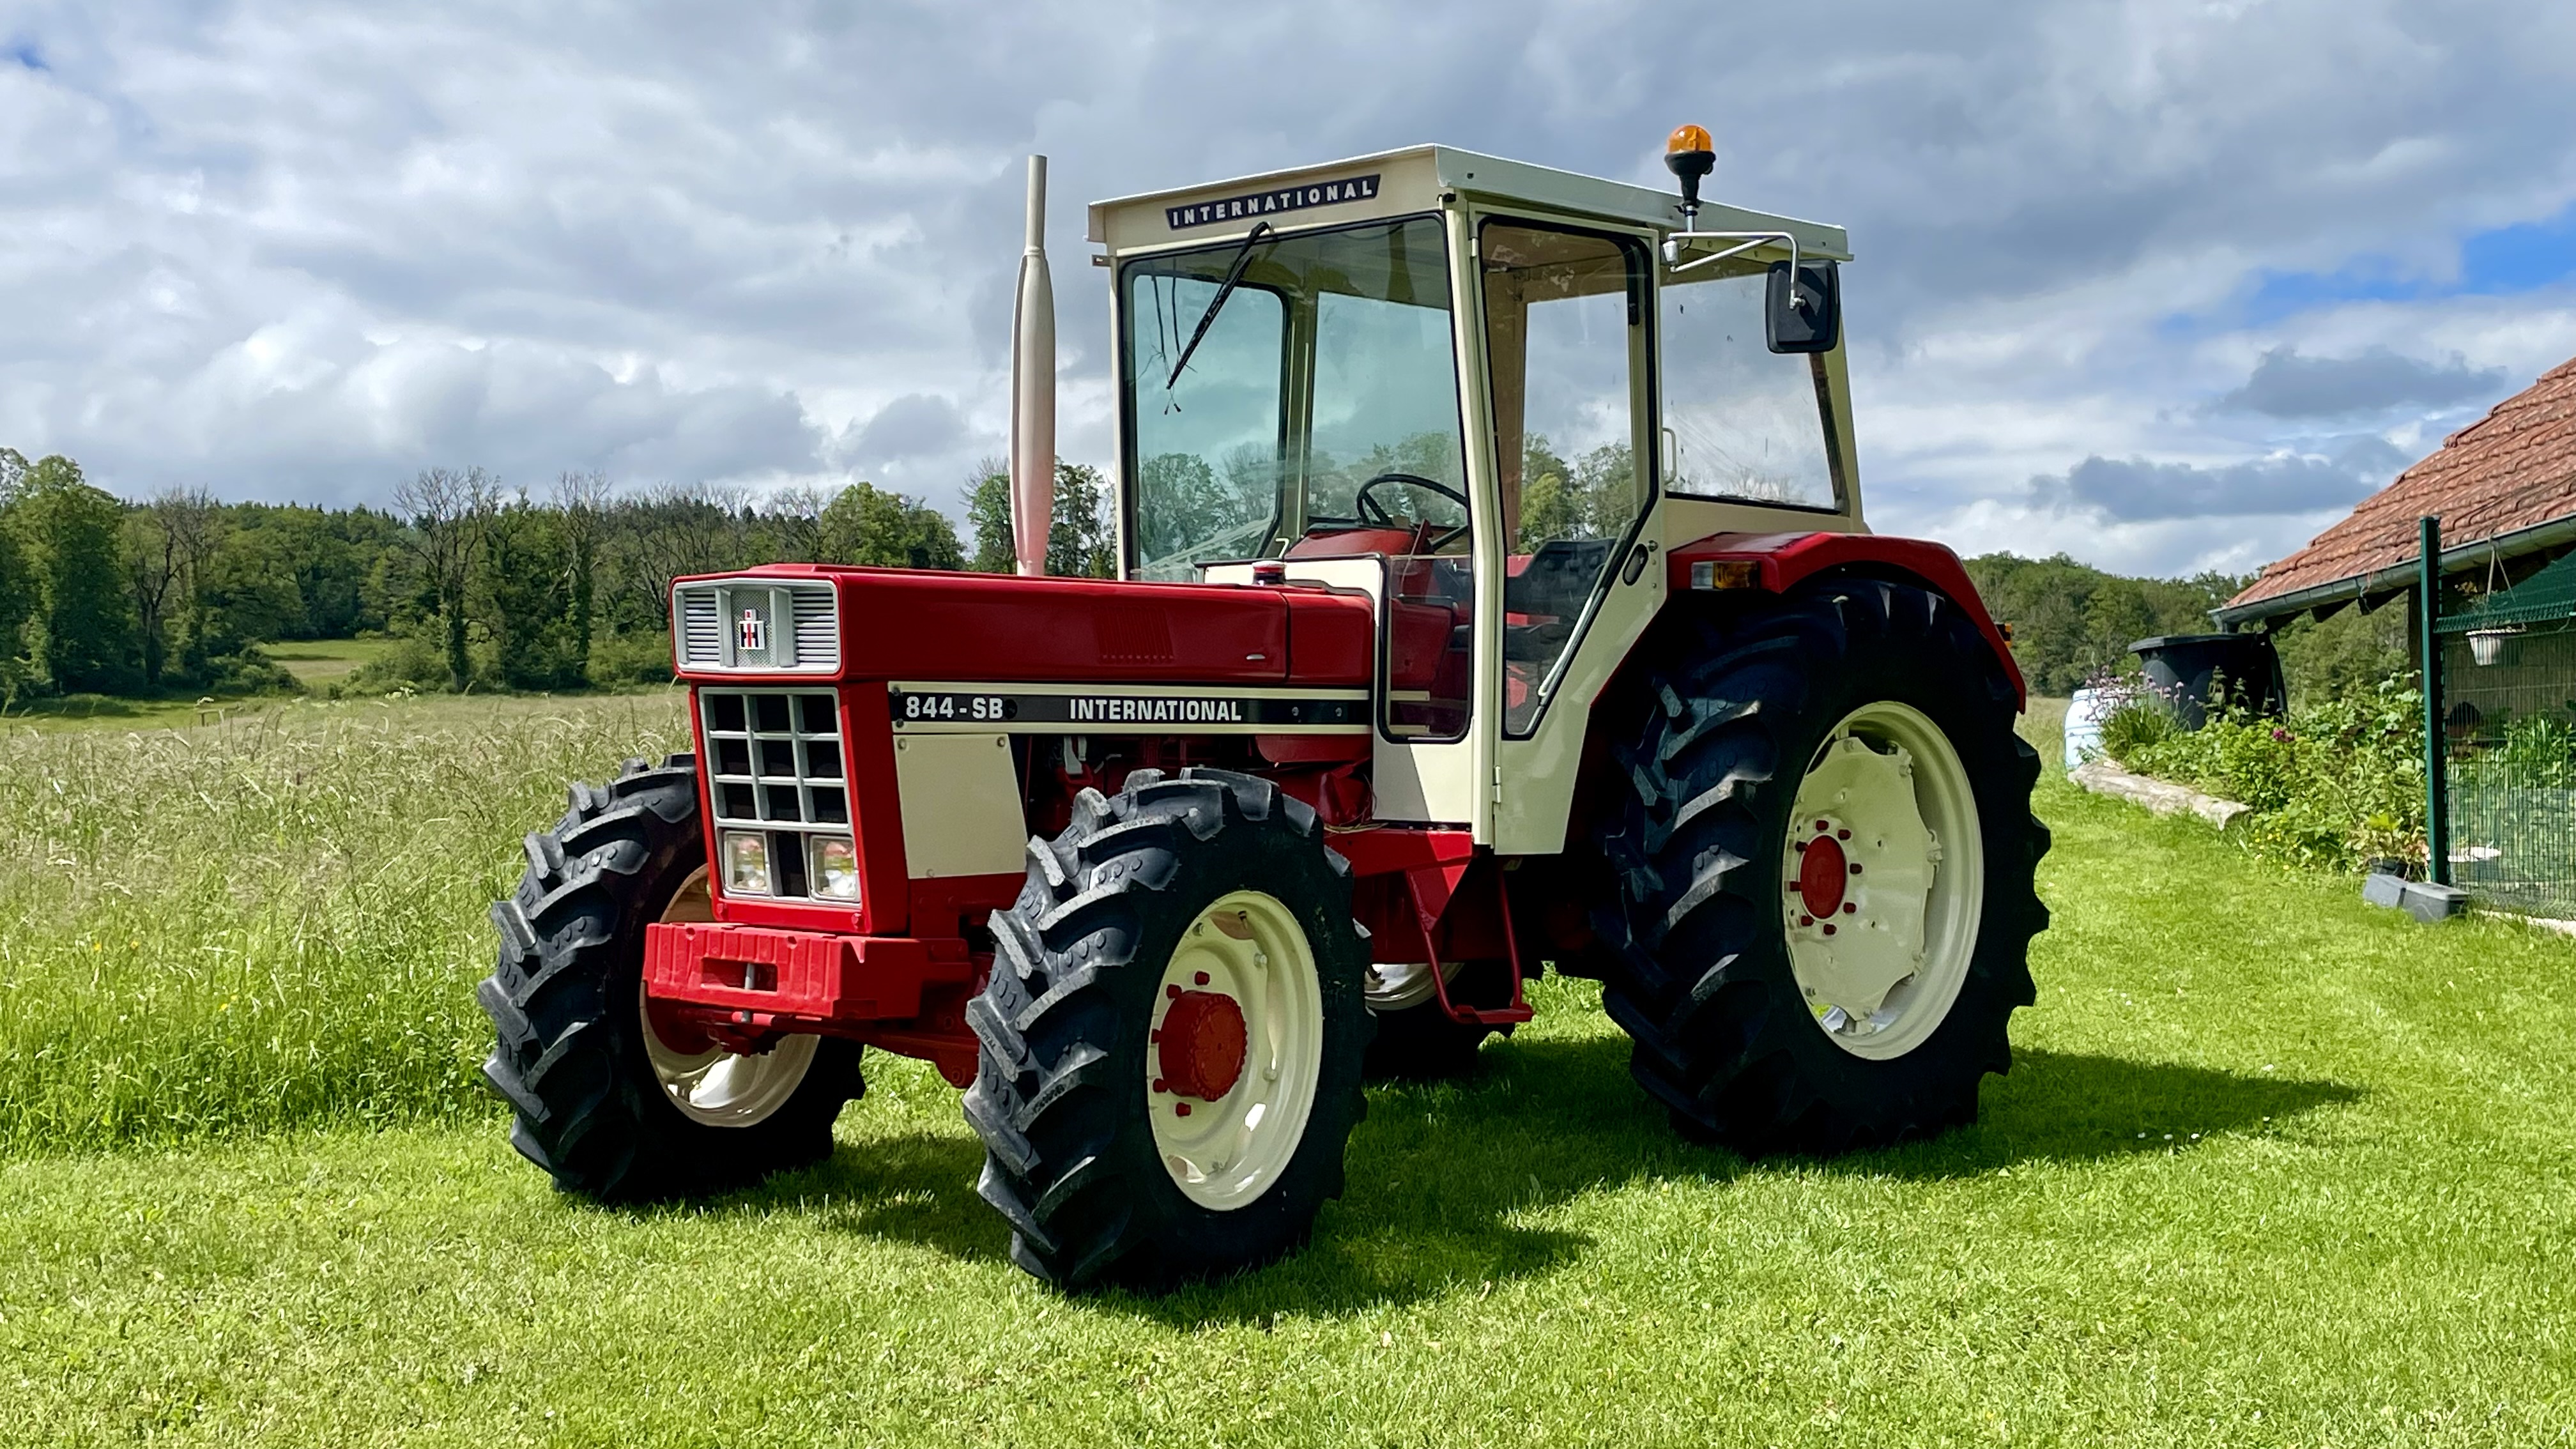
{"x":1413,"y":180}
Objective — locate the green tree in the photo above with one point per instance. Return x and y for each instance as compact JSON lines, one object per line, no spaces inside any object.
{"x":988,"y":514}
{"x":1081,"y":540}
{"x":581,"y":501}
{"x":450,"y":515}
{"x":864,"y":524}
{"x":18,"y":589}
{"x":84,"y":620}
{"x":526,"y":570}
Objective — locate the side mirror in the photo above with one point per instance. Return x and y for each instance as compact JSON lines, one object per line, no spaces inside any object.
{"x":1805,"y":312}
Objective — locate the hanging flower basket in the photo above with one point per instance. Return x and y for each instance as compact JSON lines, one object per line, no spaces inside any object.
{"x":2487,"y":646}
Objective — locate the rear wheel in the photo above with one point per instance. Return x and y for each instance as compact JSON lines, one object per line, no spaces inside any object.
{"x":1171,"y":1034}
{"x":615,"y":1099}
{"x":1825,"y":872}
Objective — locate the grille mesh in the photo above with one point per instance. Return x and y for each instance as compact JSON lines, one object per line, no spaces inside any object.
{"x":775,"y":763}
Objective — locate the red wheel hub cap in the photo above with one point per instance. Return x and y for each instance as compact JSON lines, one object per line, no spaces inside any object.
{"x":1201,"y":1047}
{"x":1822,"y":872}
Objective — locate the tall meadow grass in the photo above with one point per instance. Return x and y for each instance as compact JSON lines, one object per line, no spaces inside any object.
{"x":273,"y":922}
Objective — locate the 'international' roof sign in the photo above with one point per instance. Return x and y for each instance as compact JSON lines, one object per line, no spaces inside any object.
{"x":1268,"y":203}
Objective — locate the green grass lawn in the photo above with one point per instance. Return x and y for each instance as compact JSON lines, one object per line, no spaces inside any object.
{"x":118,"y":712}
{"x":2273,"y":1168}
{"x":316,"y":663}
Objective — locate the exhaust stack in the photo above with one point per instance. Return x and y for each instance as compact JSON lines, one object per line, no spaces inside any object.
{"x":1033,"y":390}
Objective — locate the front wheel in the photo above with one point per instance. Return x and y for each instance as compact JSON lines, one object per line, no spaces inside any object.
{"x":614,"y":1099}
{"x":1826,"y":872}
{"x":1171,"y":1034}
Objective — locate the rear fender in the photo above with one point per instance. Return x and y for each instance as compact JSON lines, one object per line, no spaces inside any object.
{"x":1777,"y":562}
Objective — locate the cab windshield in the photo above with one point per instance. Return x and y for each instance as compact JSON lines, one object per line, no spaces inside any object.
{"x":1321,"y":404}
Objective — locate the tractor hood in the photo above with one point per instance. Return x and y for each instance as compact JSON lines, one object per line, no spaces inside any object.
{"x":820,"y":622}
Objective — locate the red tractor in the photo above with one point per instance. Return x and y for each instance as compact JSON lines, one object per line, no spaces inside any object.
{"x":1492,"y":592}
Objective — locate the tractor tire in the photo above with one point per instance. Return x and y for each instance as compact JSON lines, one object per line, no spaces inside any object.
{"x":1417,"y":1041}
{"x":1716,"y":962}
{"x":1088,"y":1078}
{"x":599,"y":1103}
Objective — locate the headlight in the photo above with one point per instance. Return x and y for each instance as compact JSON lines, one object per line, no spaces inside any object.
{"x":746,"y":863}
{"x":832,"y":868}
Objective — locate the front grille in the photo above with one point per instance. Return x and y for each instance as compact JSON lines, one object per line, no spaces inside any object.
{"x":775,"y":764}
{"x":701,"y":629}
{"x":757,"y":625}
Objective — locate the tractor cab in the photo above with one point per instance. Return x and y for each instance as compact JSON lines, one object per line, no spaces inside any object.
{"x":1491,"y":395}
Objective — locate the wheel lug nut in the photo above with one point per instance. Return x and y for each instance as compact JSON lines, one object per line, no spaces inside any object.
{"x":1174,"y":992}
{"x":1829,"y":928}
{"x":1850,"y":910}
{"x":1201,"y":978}
{"x":1855,"y":867}
{"x":1180,"y":1109}
{"x":1160,"y":1086}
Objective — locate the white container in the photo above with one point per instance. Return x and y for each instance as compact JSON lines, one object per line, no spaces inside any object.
{"x":2085,"y":712}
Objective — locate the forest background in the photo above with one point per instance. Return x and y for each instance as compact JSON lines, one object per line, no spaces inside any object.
{"x":479,"y":586}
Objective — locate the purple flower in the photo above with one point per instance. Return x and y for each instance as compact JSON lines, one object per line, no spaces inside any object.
{"x":2280,"y":735}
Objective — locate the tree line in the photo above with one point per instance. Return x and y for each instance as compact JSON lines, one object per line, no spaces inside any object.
{"x":479,"y":585}
{"x":2073,"y":623}
{"x":484,"y":586}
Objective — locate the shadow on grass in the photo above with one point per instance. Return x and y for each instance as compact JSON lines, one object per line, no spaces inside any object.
{"x":1442,"y":1176}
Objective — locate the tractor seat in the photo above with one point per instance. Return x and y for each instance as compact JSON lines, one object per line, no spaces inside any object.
{"x":1335,"y":541}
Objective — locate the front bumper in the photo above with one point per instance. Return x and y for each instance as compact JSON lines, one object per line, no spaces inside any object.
{"x":797,"y":978}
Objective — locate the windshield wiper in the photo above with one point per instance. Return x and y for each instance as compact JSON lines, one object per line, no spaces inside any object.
{"x":1233,"y":274}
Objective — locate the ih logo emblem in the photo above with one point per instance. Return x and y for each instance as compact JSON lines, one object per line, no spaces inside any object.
{"x":751,"y":634}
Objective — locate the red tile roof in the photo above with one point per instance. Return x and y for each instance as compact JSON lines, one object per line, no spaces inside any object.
{"x":2511,"y":470}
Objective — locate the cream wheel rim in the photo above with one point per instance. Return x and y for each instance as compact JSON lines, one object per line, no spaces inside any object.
{"x":716,"y":1087}
{"x":1401,"y":986}
{"x":1240,"y":992}
{"x":1883,"y":880}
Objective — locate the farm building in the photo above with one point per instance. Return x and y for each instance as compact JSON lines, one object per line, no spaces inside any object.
{"x":2504,"y":490}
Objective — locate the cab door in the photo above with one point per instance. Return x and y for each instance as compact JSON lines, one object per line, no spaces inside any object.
{"x":1566,"y":315}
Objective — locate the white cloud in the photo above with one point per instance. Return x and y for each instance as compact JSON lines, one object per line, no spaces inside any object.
{"x":300,"y":250}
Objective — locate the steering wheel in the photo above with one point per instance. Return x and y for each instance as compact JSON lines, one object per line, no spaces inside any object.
{"x":1371,"y":511}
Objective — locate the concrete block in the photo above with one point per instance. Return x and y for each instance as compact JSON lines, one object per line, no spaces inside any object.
{"x":2428,"y":902}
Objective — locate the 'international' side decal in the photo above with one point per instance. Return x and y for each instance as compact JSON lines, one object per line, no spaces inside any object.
{"x":1268,"y":203}
{"x":1113,"y":710}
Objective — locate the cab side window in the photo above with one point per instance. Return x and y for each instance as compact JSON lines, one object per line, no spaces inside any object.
{"x":1746,"y":423}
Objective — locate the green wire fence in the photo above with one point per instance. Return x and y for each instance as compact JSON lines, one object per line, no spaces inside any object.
{"x":2506,"y":697}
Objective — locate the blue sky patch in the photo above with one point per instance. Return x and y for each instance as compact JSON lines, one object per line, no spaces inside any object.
{"x":2519,"y":258}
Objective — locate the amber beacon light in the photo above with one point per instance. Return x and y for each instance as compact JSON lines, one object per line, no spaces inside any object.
{"x":1690,"y":155}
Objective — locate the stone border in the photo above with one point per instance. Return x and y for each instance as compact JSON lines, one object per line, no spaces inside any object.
{"x":2103,"y":777}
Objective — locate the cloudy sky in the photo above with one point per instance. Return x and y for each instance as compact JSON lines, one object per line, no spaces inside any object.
{"x":2165,"y":285}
